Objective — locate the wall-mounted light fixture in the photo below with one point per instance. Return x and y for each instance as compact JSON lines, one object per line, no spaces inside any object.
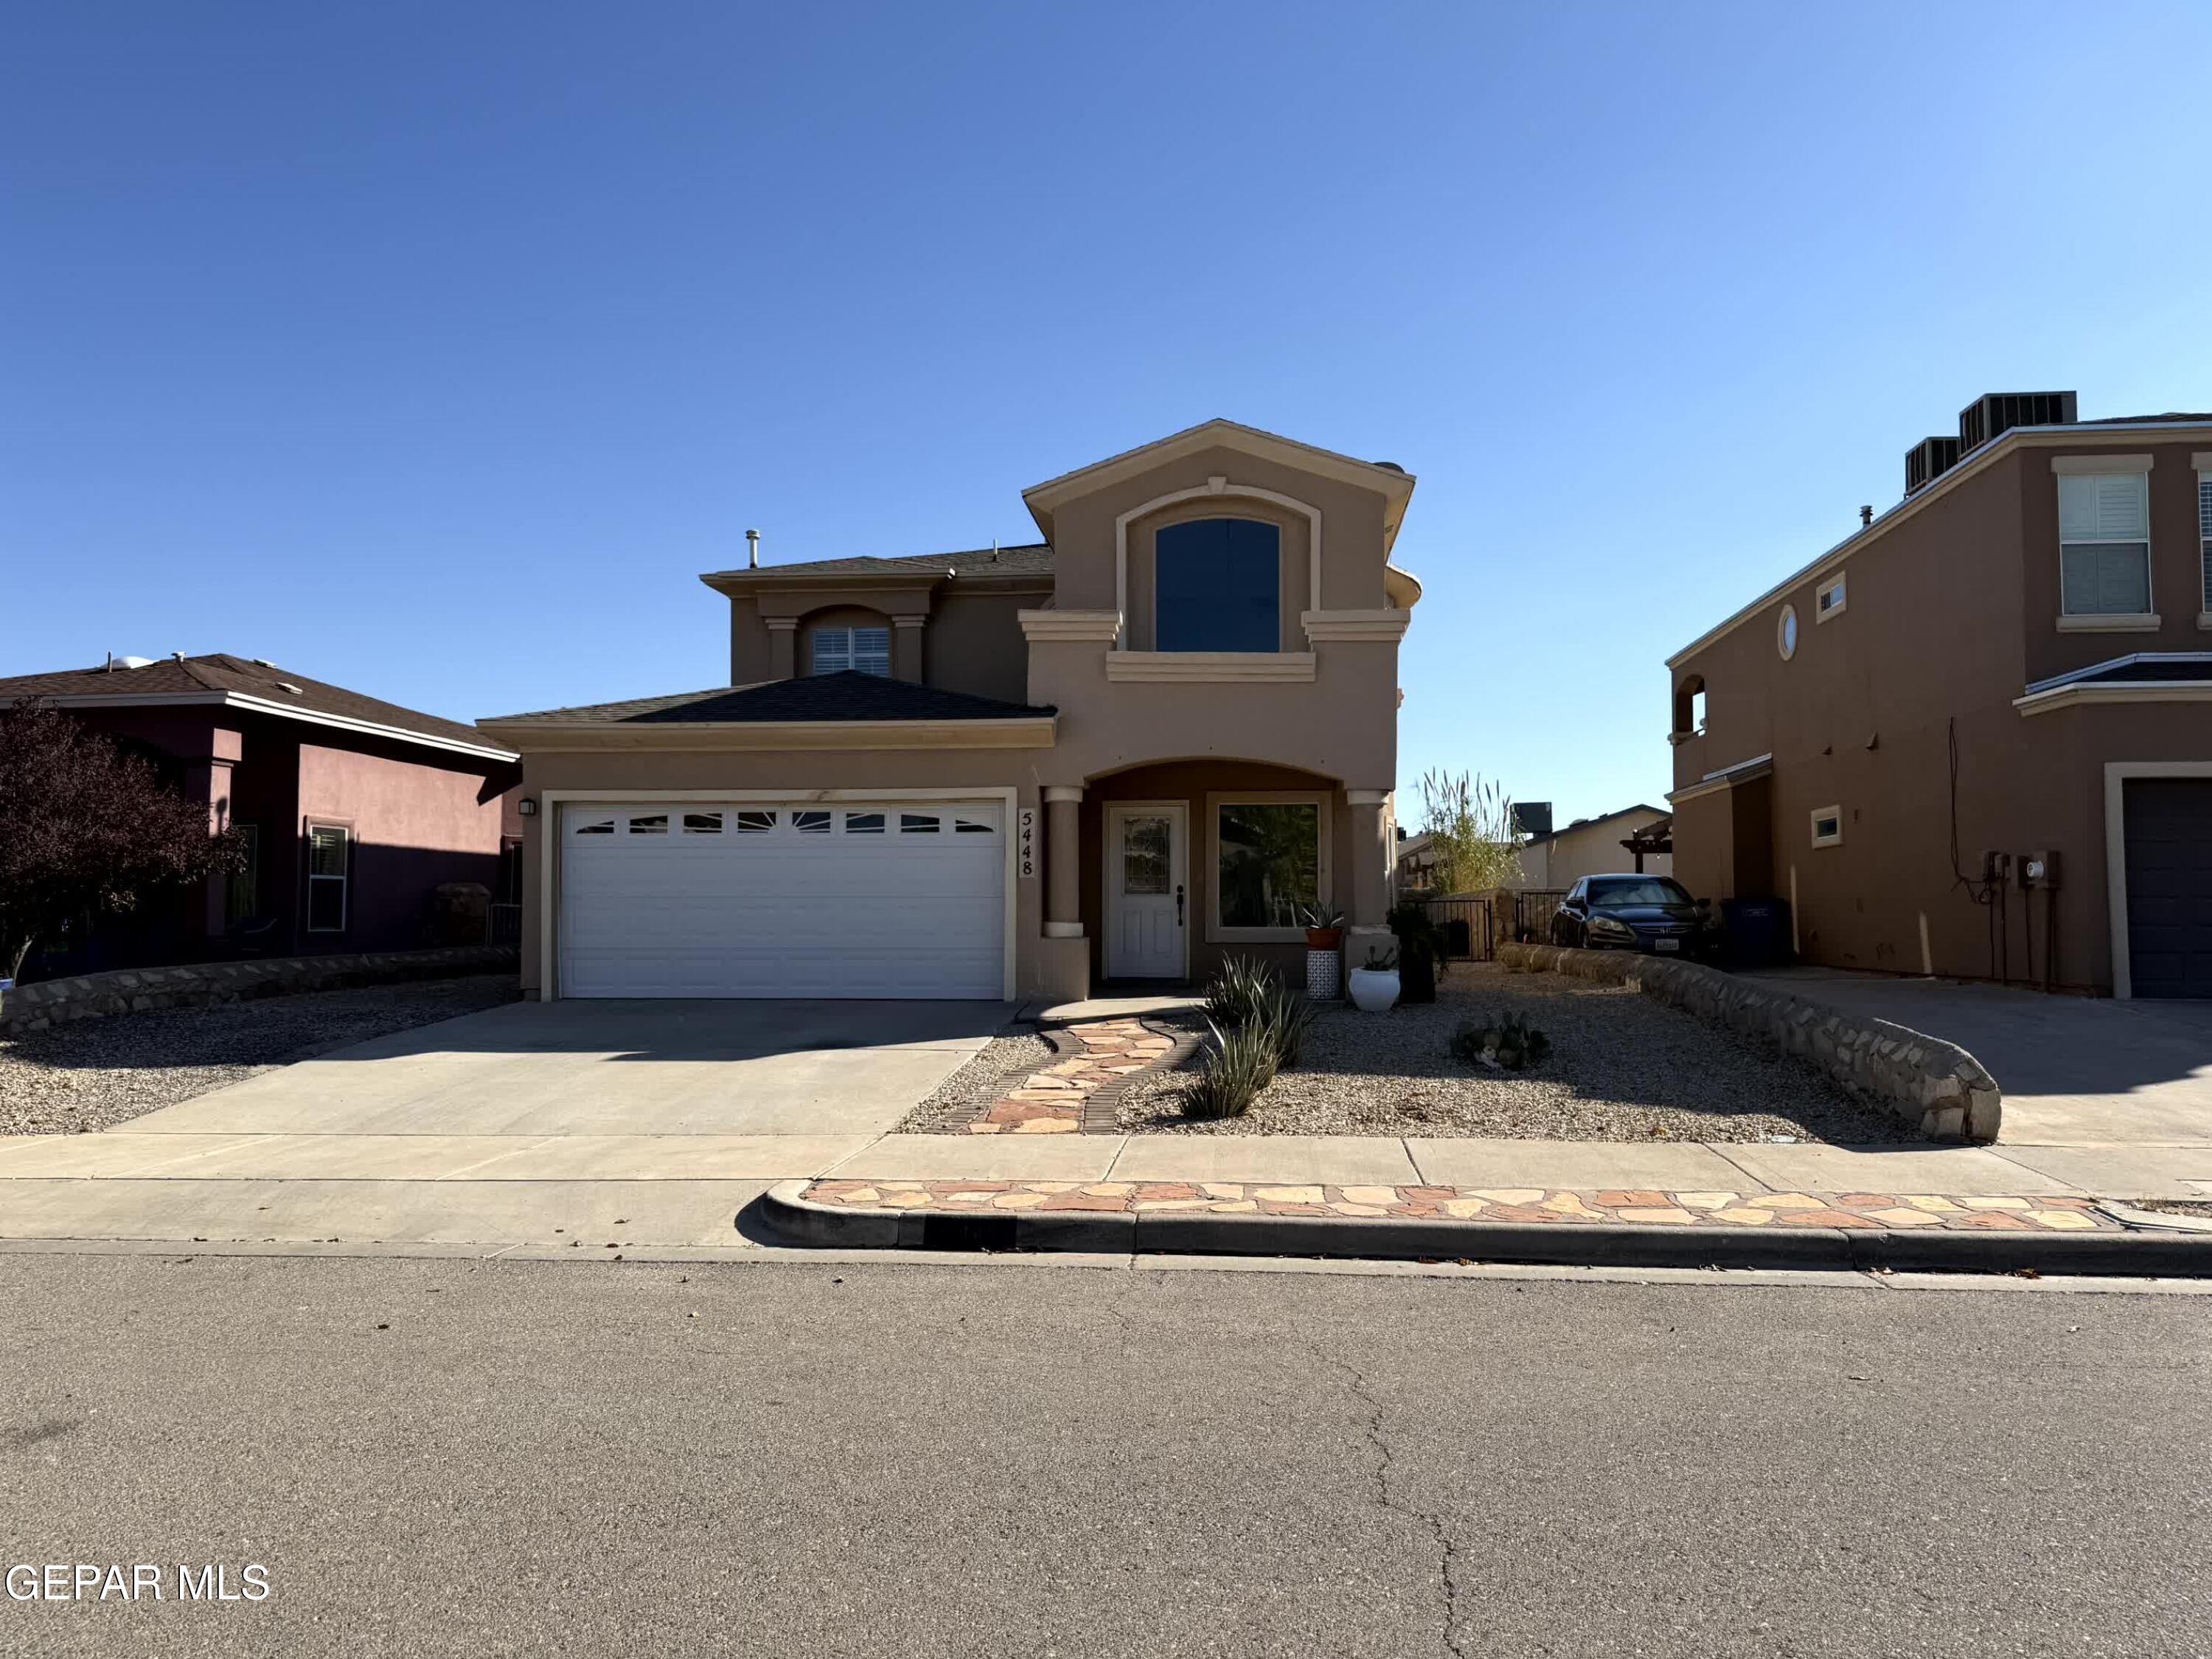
{"x":526,"y":807}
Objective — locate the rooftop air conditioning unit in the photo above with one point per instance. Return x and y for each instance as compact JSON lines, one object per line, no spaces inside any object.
{"x":1928,"y":460}
{"x":1995,"y":412}
{"x":1533,"y":818}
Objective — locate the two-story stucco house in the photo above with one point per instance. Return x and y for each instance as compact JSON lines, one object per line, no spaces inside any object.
{"x":1114,"y":756}
{"x":1973,"y":738}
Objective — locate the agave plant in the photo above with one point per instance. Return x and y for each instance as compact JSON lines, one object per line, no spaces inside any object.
{"x":1239,"y":990}
{"x":1237,"y":1065}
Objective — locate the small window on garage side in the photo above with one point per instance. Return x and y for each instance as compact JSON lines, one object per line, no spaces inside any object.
{"x":1832,"y":599}
{"x":1827,"y":826}
{"x":919,"y":823}
{"x":755,"y":823}
{"x":702,"y":823}
{"x":972,"y":827}
{"x":327,"y":877}
{"x":651,"y":823}
{"x":864,"y":823}
{"x":594,"y":827}
{"x":810,"y":823}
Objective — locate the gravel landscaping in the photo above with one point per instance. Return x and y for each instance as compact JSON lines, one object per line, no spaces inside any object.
{"x":997,"y":1068}
{"x":1622,"y":1068}
{"x":90,"y":1074}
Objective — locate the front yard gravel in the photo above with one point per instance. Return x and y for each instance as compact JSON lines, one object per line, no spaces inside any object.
{"x":999,"y":1066}
{"x":90,"y":1074}
{"x":1622,"y":1068}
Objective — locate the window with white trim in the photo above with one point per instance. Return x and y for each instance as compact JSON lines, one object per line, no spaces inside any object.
{"x":1827,"y":826}
{"x":328,"y":873}
{"x":2104,"y":543}
{"x":1267,"y":868}
{"x":1831,"y":598}
{"x":2204,"y":535}
{"x":863,"y":650}
{"x":1217,"y":586}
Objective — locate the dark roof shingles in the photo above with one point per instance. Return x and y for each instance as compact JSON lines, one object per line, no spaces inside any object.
{"x":1030,"y":559}
{"x":220,"y":672}
{"x":842,"y":697}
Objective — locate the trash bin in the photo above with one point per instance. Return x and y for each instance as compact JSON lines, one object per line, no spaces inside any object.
{"x":1758,"y":932}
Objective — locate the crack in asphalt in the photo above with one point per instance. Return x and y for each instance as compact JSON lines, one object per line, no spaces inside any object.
{"x":1386,"y":1460}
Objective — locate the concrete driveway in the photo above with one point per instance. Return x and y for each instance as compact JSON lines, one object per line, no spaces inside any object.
{"x":2075,"y":1070}
{"x":525,"y":1122}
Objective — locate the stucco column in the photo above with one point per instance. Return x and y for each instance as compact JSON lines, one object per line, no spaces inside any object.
{"x":1063,"y":861}
{"x":906,"y":647}
{"x":782,"y":647}
{"x":1370,"y":859}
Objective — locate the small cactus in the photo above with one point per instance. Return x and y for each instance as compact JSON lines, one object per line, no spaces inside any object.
{"x":1508,"y":1041}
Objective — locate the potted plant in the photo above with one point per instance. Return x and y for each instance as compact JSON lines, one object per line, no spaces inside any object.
{"x":1324,"y":927}
{"x":1324,"y":939}
{"x":1374,"y":986}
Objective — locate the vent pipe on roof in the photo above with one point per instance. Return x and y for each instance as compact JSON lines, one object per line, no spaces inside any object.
{"x":752,"y":549}
{"x":1866,"y":516}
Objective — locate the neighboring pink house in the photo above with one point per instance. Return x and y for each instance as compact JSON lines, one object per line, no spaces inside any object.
{"x":355,"y":810}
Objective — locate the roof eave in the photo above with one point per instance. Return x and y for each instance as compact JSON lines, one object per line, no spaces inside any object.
{"x":241,"y":701}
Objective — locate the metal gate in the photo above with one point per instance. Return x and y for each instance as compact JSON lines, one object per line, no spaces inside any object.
{"x":1466,"y":926}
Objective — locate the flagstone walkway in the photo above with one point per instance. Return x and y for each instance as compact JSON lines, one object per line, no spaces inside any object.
{"x":1052,"y":1100}
{"x":1637,"y":1208}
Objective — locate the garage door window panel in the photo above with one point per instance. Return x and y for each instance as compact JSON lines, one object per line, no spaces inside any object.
{"x":702,"y":823}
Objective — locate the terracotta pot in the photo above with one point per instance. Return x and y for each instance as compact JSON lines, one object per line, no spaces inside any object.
{"x":1324,"y":939}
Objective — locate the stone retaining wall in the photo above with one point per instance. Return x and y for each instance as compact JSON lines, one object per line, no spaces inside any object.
{"x":196,"y":985}
{"x":1936,"y":1086}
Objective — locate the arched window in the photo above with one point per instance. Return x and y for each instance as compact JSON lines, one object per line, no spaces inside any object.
{"x":1689,"y":706}
{"x":1217,"y":586}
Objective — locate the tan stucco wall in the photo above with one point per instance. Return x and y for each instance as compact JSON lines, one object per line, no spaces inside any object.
{"x":1950,"y":614}
{"x":973,"y":641}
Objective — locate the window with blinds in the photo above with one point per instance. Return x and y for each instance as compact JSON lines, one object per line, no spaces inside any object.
{"x":2104,"y":543}
{"x":2204,"y":537}
{"x":327,"y":847}
{"x":863,"y":650}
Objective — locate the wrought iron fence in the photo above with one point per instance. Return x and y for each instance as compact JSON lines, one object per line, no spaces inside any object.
{"x":1532,"y":913}
{"x":504,"y":926}
{"x":1470,"y":935}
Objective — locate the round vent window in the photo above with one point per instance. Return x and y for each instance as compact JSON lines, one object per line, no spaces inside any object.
{"x":1785,"y":633}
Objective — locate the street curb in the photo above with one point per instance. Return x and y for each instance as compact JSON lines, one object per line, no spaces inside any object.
{"x":785,"y":1209}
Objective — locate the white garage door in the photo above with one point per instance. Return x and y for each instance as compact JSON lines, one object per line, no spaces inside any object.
{"x":776,"y":899}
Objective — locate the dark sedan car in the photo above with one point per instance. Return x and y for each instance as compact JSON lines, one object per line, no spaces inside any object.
{"x":1637,"y":913}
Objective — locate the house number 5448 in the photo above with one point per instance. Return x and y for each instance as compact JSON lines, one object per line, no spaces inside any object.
{"x":1025,"y":840}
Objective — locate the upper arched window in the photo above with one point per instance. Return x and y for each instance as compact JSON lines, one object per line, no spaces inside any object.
{"x":1217,"y":586}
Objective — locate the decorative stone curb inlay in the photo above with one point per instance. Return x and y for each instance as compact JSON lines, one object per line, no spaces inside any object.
{"x":1515,"y":1205}
{"x":1094,"y":1057}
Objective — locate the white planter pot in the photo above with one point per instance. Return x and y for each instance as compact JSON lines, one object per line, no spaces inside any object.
{"x":1374,"y":989}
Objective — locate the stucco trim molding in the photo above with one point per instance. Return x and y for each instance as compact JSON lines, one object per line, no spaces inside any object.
{"x":1220,"y":486}
{"x":1727,"y":778}
{"x":1384,"y":624}
{"x":2068,"y":465}
{"x":1209,"y":665}
{"x":1070,"y":624}
{"x":2117,"y":773}
{"x":2146,"y":623}
{"x":747,"y":736}
{"x":2066,"y":696}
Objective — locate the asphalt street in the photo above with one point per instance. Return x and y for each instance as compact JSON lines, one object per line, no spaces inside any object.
{"x":484,"y":1458}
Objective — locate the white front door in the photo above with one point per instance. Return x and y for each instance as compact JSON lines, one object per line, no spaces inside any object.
{"x":1147,"y":901}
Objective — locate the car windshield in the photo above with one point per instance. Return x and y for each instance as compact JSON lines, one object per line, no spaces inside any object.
{"x":1638,"y":889}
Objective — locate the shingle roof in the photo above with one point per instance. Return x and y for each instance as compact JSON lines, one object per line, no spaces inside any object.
{"x":2147,"y":669}
{"x":1034,"y":558}
{"x":241,"y":675}
{"x":849,"y":696}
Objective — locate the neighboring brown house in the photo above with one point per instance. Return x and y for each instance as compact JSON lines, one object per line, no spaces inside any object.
{"x":1975,"y":738}
{"x":355,"y":810}
{"x":1116,"y":755}
{"x":1596,"y":846}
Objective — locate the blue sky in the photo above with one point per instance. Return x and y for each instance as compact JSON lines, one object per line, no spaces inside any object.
{"x":435,"y":350}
